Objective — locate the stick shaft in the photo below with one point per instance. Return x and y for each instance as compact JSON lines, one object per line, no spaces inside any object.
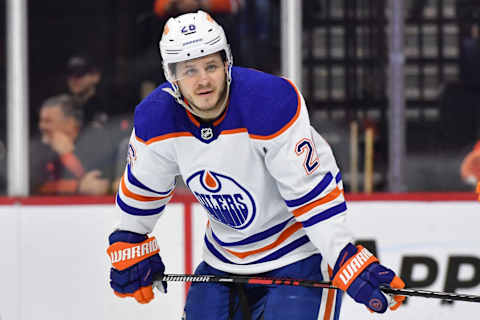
{"x":306,"y":283}
{"x":244,"y":280}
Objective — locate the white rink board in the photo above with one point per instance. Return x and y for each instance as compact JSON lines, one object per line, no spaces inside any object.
{"x":63,"y":268}
{"x":9,"y":263}
{"x":54,"y":264}
{"x":434,"y":229}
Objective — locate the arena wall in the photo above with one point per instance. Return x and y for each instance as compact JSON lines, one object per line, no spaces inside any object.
{"x":54,"y":265}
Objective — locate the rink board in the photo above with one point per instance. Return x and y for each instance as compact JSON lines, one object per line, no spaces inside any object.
{"x":54,"y":264}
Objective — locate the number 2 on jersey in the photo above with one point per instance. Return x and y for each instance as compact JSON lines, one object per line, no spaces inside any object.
{"x":310,"y":163}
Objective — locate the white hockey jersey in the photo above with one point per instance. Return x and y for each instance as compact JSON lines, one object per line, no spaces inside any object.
{"x":267,"y":180}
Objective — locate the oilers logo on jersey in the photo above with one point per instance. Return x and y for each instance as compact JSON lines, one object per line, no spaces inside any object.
{"x":225,"y":200}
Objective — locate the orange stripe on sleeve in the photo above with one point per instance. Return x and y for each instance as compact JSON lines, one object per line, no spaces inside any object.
{"x":138,"y":197}
{"x":283,"y":236}
{"x":288,"y":125}
{"x":309,"y":206}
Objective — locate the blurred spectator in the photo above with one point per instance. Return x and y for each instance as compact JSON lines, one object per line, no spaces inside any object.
{"x":460,"y":101}
{"x":3,"y":137}
{"x":3,"y":168}
{"x":258,"y":44}
{"x":69,"y":158}
{"x":3,"y":127}
{"x":164,"y":8}
{"x":470,"y":168}
{"x":83,"y":78}
{"x":464,"y":117}
{"x":469,"y":59}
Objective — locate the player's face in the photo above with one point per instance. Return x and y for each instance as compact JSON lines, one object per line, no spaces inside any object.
{"x":202,"y":82}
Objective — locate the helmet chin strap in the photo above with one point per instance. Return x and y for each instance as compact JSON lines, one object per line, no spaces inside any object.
{"x":199,"y":113}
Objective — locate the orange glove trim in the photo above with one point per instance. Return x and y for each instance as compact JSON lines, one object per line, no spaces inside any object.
{"x":142,"y":295}
{"x":124,"y":255}
{"x":397,"y":283}
{"x":351,"y":269}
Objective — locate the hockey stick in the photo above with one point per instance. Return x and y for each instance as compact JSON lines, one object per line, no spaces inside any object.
{"x":307,"y":283}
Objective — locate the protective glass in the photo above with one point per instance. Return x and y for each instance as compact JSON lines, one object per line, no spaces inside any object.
{"x":3,"y":101}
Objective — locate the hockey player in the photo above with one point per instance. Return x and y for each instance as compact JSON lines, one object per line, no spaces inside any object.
{"x":242,"y":141}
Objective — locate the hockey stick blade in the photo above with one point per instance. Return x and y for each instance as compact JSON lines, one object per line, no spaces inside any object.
{"x":306,"y":283}
{"x":432,"y":294}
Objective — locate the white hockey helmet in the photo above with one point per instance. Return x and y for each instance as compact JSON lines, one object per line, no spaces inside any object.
{"x":190,"y":36}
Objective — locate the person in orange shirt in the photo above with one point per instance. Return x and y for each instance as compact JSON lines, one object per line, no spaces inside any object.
{"x":162,"y":7}
{"x":470,"y":168}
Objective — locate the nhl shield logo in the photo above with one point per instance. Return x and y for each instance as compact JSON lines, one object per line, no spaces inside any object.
{"x":206,"y":133}
{"x":225,"y":200}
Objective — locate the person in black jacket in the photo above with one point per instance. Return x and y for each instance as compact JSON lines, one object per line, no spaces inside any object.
{"x":83,"y":79}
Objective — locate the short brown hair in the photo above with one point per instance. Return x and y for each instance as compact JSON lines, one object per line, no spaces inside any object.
{"x":68,"y":106}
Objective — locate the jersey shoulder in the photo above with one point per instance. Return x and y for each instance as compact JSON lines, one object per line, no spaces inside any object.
{"x":268,"y":103}
{"x":156,"y":114}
